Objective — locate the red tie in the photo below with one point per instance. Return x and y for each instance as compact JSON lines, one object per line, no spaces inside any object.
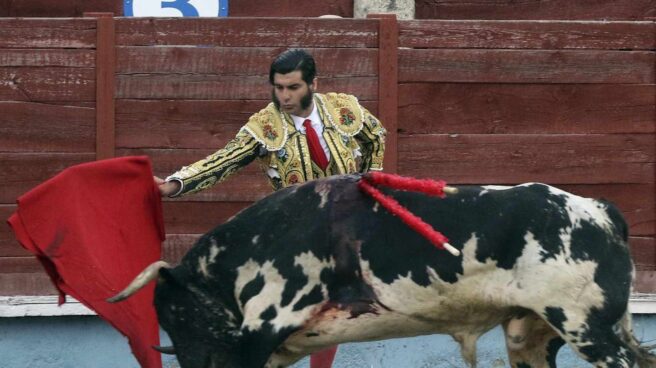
{"x":316,"y":151}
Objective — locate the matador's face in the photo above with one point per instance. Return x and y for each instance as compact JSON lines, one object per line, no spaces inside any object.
{"x":292,"y":94}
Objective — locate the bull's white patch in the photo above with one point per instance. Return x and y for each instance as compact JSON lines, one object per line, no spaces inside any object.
{"x":202,"y":266}
{"x":312,"y":268}
{"x":271,"y":293}
{"x":491,"y":188}
{"x":585,"y":209}
{"x":323,"y":190}
{"x":255,"y":239}
{"x":482,"y":297}
{"x":205,"y":261}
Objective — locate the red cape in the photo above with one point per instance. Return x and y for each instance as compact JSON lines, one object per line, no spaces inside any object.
{"x":94,"y":227}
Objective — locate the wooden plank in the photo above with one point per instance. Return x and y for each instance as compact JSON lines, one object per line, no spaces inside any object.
{"x":198,"y":217}
{"x":47,"y":57}
{"x":23,"y":171}
{"x":185,"y":123}
{"x":181,"y":123}
{"x":253,"y":32}
{"x":47,"y":33}
{"x":243,"y":61}
{"x":27,"y":264}
{"x":176,"y":245}
{"x":645,"y":282}
{"x":41,"y":306}
{"x":526,"y":66}
{"x":4,"y":8}
{"x":636,"y":201}
{"x":516,"y":158}
{"x":196,"y":124}
{"x":247,"y":185}
{"x":47,"y":84}
{"x":9,"y":246}
{"x":71,"y":8}
{"x":105,"y":86}
{"x":554,"y":9}
{"x":473,"y":108}
{"x":291,"y":8}
{"x":36,"y":283}
{"x":513,"y":34}
{"x":388,"y":86}
{"x":643,"y":252}
{"x":30,"y":127}
{"x":218,"y":87}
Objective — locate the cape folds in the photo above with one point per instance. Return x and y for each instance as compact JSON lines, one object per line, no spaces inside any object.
{"x":94,"y":227}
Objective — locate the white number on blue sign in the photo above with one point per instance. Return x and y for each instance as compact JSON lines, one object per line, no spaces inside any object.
{"x":175,"y":8}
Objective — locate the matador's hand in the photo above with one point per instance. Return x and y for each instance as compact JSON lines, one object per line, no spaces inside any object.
{"x":166,"y":188}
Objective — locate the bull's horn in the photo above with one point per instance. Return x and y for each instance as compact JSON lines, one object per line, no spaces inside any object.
{"x":170,"y":350}
{"x":450,"y":190}
{"x":146,"y":276}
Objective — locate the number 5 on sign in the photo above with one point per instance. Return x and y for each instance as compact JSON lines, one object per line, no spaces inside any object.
{"x":175,"y":8}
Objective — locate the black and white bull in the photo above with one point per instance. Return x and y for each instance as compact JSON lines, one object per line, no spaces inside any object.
{"x":322,"y":263}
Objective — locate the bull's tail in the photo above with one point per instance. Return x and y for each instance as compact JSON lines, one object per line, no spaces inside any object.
{"x":644,"y":357}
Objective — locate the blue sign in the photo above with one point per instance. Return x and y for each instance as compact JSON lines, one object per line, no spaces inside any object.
{"x":175,"y":8}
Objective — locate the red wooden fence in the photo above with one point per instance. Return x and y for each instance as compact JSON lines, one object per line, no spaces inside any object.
{"x":503,"y":102}
{"x":537,"y":10}
{"x":237,"y":8}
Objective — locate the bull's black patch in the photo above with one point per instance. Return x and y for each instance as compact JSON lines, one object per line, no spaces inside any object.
{"x":297,"y":280}
{"x":255,"y":347}
{"x":556,"y":317}
{"x":499,"y":220}
{"x":269,"y":313}
{"x":315,"y":296}
{"x":613,"y":274}
{"x":523,"y":365}
{"x":511,"y":215}
{"x":251,"y":289}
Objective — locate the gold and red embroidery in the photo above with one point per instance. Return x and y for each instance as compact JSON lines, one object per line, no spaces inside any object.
{"x":346,"y":116}
{"x":269,"y":132}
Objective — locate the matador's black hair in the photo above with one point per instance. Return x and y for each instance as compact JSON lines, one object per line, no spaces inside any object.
{"x":292,"y":60}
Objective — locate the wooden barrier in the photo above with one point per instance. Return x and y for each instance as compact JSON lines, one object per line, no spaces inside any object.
{"x":566,"y":103}
{"x":537,"y":10}
{"x":499,"y":102}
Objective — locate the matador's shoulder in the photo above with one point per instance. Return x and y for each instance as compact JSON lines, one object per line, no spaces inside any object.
{"x":343,"y":111}
{"x":268,"y":127}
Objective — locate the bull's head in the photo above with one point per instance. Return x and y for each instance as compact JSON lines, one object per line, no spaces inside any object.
{"x":204,"y":333}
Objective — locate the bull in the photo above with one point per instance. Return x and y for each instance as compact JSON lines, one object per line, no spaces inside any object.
{"x":322,"y":263}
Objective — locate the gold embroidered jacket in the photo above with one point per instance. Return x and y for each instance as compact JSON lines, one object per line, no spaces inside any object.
{"x":355,"y":138}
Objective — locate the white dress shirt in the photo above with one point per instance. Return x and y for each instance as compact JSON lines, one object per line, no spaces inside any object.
{"x":317,"y":125}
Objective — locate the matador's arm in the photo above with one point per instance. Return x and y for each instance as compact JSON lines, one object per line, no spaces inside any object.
{"x":371,"y":140}
{"x":215,"y":168}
